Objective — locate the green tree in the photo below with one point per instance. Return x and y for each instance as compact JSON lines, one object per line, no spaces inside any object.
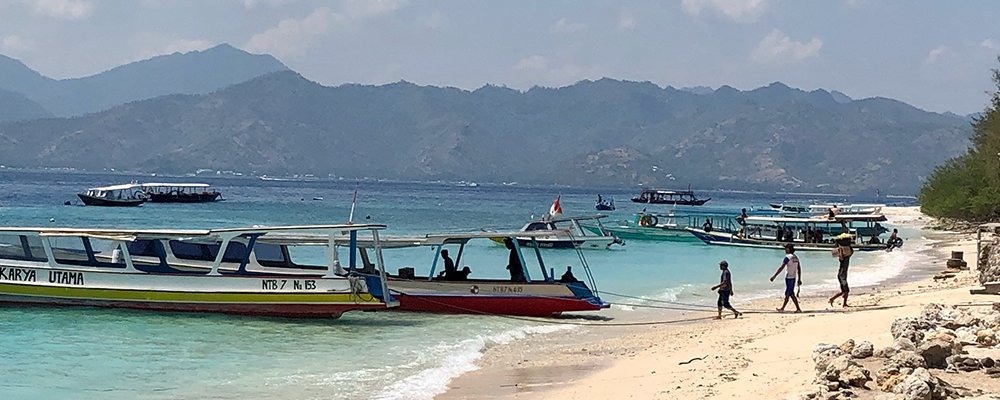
{"x":968,"y":186}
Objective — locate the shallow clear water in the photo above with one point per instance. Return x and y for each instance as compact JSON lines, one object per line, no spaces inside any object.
{"x":106,"y":354}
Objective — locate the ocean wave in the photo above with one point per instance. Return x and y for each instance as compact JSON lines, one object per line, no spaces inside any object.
{"x":455,"y":359}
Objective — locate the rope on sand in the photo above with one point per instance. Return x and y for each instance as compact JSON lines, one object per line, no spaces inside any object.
{"x":693,"y":360}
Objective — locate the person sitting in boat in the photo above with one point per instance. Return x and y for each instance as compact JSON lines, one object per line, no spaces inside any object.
{"x":514,"y":262}
{"x":462,"y":275}
{"x":819,"y":235}
{"x":707,"y":226}
{"x":568,"y":276}
{"x":789,"y":234}
{"x":449,"y":266}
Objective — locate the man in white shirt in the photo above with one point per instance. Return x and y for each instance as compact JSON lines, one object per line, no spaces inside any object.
{"x":793,"y":275}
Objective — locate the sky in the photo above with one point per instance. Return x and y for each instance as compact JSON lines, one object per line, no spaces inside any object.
{"x":936,"y":55}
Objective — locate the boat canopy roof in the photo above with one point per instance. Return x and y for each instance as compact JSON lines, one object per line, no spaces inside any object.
{"x":193,"y":185}
{"x":189,"y":234}
{"x":126,"y":186}
{"x":668,"y":192}
{"x":818,"y":219}
{"x":392,"y":242}
{"x":576,"y":218}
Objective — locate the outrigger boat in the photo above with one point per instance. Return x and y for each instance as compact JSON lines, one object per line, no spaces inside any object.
{"x":575,"y":236}
{"x":127,"y":195}
{"x":180,"y":192}
{"x":762,"y":232}
{"x":677,"y":197}
{"x":537,"y":296}
{"x":821,"y":209}
{"x":646,"y":226}
{"x":233,"y":271}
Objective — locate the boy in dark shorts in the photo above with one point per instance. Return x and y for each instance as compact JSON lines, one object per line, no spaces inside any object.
{"x":725,"y":288}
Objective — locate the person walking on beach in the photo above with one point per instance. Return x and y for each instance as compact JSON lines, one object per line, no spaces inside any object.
{"x":843,"y":252}
{"x":793,"y":275}
{"x":725,"y":288}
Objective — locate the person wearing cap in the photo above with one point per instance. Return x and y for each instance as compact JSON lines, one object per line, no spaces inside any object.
{"x":843,"y":252}
{"x":793,"y":275}
{"x":725,"y":288}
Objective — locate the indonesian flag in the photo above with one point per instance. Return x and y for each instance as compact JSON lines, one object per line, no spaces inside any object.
{"x":556,"y":208}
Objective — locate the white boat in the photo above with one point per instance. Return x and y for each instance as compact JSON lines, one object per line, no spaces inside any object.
{"x":234,"y":271}
{"x":567,"y":233}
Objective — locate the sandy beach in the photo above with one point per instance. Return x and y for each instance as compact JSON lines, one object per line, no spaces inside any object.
{"x":762,"y":355}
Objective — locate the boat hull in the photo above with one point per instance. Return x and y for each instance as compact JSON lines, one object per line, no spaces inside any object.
{"x":643,"y":233}
{"x":102,"y":202}
{"x":185,"y":198}
{"x":602,"y":242}
{"x":674,"y":202}
{"x":728,"y":239}
{"x":537,"y":299}
{"x":278,"y":296}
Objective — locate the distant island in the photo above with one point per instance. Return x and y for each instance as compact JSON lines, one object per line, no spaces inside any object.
{"x":606,"y":132}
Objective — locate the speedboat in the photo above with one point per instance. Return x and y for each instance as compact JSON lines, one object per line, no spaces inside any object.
{"x":127,"y":195}
{"x":233,"y":270}
{"x":563,"y":232}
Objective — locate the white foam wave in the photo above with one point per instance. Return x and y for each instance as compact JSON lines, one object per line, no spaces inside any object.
{"x":455,"y":359}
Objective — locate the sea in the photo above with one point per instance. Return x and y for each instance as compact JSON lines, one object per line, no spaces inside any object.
{"x":90,"y":353}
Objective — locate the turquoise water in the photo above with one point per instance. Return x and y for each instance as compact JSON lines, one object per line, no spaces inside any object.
{"x":107,"y":354}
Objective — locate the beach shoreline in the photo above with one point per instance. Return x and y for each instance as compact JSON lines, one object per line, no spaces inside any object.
{"x":764,"y":355}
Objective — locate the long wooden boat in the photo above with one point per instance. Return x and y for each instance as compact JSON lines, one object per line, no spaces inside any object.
{"x":540,"y":295}
{"x":127,"y":195}
{"x":762,"y":232}
{"x":676,"y":197}
{"x":219,"y":270}
{"x":180,"y":192}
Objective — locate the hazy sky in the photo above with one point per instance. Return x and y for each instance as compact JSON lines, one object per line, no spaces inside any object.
{"x":936,"y":55}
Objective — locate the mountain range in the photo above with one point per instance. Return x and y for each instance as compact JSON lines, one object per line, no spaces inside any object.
{"x":196,"y":72}
{"x":604,"y":132}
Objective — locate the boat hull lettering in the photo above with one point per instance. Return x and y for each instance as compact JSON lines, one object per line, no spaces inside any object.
{"x":17,"y":275}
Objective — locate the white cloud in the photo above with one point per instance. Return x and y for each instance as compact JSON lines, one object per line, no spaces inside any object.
{"x":936,"y":54}
{"x":990,"y":44}
{"x":293,"y":37}
{"x":364,"y":8}
{"x":63,"y":9}
{"x":564,"y":27}
{"x":435,"y":20}
{"x":778,"y":48}
{"x":13,"y":44}
{"x":625,"y":20}
{"x":251,"y":4}
{"x":737,"y":10}
{"x":535,"y":62}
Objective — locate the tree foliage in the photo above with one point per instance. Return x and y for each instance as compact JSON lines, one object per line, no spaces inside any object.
{"x":968,"y":186}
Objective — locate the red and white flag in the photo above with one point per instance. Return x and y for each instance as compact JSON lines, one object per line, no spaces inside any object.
{"x":556,"y":208}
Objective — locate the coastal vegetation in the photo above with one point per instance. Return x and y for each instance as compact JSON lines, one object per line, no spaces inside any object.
{"x":968,"y":186}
